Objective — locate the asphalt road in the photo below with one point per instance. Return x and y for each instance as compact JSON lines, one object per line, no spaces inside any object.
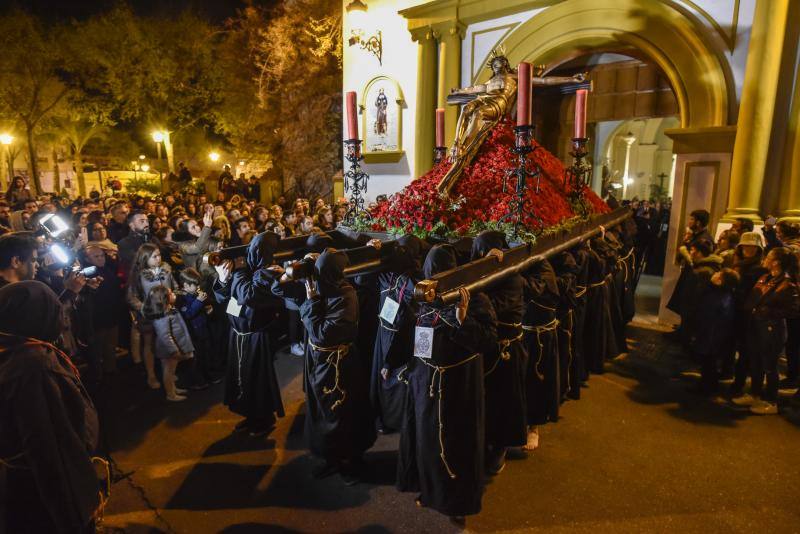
{"x":638,"y":453}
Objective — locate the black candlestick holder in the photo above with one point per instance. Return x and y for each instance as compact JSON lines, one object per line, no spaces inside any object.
{"x":578,"y":176}
{"x":355,"y":181}
{"x":439,"y":153}
{"x":517,"y":208}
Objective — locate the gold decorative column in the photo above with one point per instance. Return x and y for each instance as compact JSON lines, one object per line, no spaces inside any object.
{"x":757,"y":109}
{"x":790,"y":175}
{"x":451,"y":33}
{"x":426,"y":100}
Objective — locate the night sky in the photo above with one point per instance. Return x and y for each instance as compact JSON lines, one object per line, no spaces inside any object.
{"x":59,"y":10}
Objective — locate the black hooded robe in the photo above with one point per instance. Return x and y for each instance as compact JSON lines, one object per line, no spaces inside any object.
{"x":443,"y":436}
{"x":506,"y":365}
{"x":251,"y":385}
{"x":48,"y":425}
{"x":542,"y":378}
{"x":339,"y":421}
{"x":567,"y":270}
{"x":394,"y":344}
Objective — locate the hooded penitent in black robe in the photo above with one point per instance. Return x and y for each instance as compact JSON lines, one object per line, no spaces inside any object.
{"x":251,"y":386}
{"x":612,"y":313}
{"x":506,"y":365}
{"x":581,"y":374}
{"x":595,"y":332}
{"x":48,"y":425}
{"x":566,"y":270}
{"x":542,"y":378}
{"x":394,"y":344}
{"x":442,"y":439}
{"x":339,"y":421}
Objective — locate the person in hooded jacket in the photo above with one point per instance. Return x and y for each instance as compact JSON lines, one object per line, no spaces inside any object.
{"x":339,"y":421}
{"x":251,"y":385}
{"x":442,"y":440}
{"x":394,"y":343}
{"x":505,"y":366}
{"x":48,"y":425}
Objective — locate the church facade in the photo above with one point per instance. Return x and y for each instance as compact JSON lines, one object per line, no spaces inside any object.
{"x":695,"y":101}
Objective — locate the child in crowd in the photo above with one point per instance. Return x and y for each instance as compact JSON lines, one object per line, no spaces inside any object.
{"x":194,"y":306}
{"x":172,"y":340}
{"x":712,"y":332}
{"x":147,"y":272}
{"x":726,"y":247}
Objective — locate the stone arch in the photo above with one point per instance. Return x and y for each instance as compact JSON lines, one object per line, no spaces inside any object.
{"x":700,"y":79}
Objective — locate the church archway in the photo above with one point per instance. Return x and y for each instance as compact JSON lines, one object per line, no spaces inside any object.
{"x":655,"y":31}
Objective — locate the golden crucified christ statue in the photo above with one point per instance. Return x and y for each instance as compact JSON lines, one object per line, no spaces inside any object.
{"x":485,"y":105}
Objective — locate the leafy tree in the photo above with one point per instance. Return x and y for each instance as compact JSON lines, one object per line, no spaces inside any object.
{"x":76,"y":134}
{"x":32,"y":89}
{"x":291,"y":72}
{"x":154,"y":72}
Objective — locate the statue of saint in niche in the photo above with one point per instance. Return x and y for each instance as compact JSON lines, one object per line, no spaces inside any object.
{"x":381,"y":105}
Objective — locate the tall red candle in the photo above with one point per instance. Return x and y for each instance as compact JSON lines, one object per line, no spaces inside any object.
{"x":524,"y":94}
{"x":580,"y":113}
{"x":439,"y":126}
{"x":352,"y":115}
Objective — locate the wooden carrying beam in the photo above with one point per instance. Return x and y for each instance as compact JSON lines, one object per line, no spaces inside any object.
{"x":481,"y":274}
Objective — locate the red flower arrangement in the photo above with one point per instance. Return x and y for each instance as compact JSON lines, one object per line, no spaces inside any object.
{"x":478,"y":196}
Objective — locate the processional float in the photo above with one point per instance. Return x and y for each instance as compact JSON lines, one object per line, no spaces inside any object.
{"x":484,"y":106}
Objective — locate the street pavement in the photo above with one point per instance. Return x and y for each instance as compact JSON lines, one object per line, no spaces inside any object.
{"x":637,"y":453}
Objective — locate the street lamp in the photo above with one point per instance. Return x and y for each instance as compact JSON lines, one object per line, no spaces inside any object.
{"x":628,"y":139}
{"x":6,"y":139}
{"x":214,"y":156}
{"x":146,"y":167}
{"x":158,"y":137}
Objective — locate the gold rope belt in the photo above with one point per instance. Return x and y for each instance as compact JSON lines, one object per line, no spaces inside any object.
{"x":340,"y":351}
{"x":581,"y":291}
{"x":539,"y":330}
{"x":502,"y":346}
{"x":439,"y":370}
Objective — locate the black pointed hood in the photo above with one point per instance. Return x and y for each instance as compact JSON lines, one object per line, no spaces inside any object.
{"x":486,"y":241}
{"x":261,"y":250}
{"x":440,"y":258}
{"x":329,"y":270}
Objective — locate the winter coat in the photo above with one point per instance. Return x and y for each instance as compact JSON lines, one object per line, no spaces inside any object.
{"x":193,"y":312}
{"x":172,"y":335}
{"x":774,"y":298}
{"x":750,"y":270}
{"x":191,"y":248}
{"x":149,"y":278}
{"x":711,"y":321}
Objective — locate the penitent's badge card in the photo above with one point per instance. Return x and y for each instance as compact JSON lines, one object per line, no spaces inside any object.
{"x":234,"y":308}
{"x":389,"y":310}
{"x":423,"y":342}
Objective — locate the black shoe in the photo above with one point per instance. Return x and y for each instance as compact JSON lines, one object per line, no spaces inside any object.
{"x":324,"y":470}
{"x":215,"y":381}
{"x":242,"y":425}
{"x":459,"y":520}
{"x":495,"y":461}
{"x":199,"y":387}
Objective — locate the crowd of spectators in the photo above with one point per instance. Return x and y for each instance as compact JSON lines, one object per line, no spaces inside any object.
{"x":739,"y":305}
{"x":136,"y":243}
{"x":92,"y":285}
